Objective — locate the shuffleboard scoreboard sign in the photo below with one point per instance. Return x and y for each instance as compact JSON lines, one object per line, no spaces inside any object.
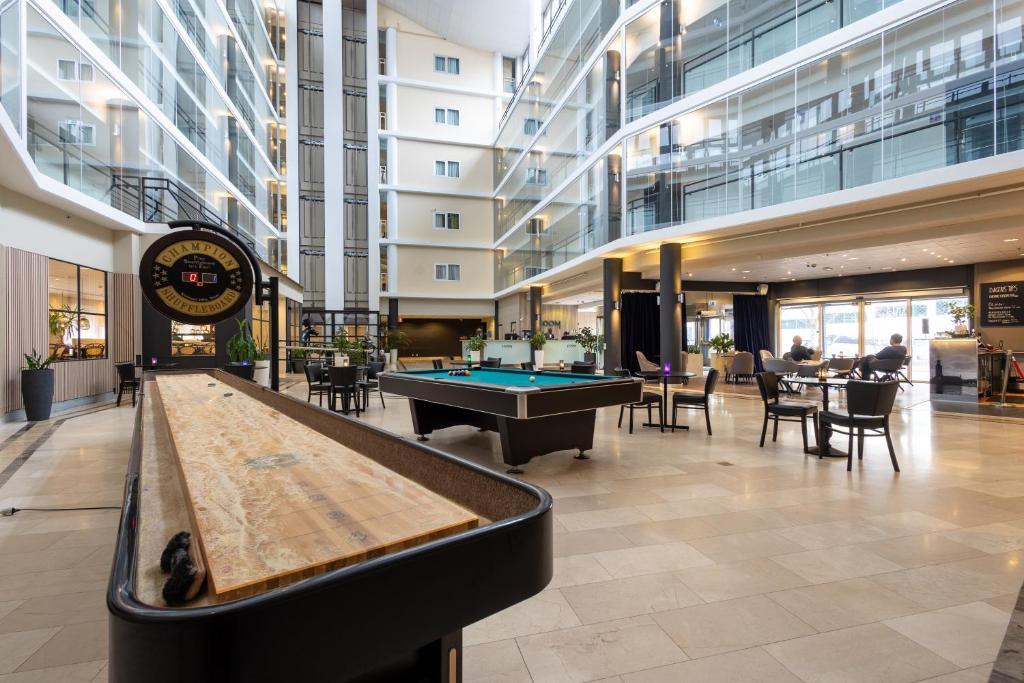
{"x":1002,"y":304}
{"x":196,"y":277}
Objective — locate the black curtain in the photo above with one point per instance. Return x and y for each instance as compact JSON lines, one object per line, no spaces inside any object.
{"x":641,"y":327}
{"x":753,"y":333}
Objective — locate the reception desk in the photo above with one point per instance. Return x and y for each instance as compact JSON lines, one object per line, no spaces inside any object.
{"x":512,"y":352}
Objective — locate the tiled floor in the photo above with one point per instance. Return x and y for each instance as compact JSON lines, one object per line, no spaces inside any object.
{"x":678,"y":557}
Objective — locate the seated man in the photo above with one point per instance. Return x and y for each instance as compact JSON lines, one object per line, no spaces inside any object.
{"x":895,"y":349}
{"x":798,"y":351}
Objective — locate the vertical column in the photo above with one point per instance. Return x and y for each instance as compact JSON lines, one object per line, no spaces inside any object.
{"x":612,"y":315}
{"x":291,"y":80}
{"x":334,"y":156}
{"x":392,"y":313}
{"x":613,"y":207}
{"x":497,"y":320}
{"x":535,"y":303}
{"x":372,"y":157}
{"x":671,"y":316}
{"x":612,"y":92}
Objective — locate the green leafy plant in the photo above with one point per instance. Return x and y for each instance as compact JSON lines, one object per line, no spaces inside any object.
{"x":396,"y":340}
{"x":721,"y":343}
{"x":34,"y":361}
{"x":475,"y":343}
{"x":60,"y":321}
{"x":298,"y":354}
{"x":587,"y":340}
{"x":355,"y":349}
{"x":241,"y":347}
{"x":537,"y":341}
{"x":962,"y":315}
{"x":694,"y":350}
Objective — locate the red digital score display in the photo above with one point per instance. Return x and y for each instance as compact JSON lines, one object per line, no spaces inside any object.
{"x":199,"y":279}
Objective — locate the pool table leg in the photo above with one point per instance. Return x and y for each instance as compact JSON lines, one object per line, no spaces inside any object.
{"x":582,"y":456}
{"x":420,"y":437}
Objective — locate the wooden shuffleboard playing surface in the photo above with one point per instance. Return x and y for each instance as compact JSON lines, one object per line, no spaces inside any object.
{"x":274,"y":501}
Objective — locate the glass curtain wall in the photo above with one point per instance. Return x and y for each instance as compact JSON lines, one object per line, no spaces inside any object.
{"x":946,"y":88}
{"x":841,"y":330}
{"x":799,"y":321}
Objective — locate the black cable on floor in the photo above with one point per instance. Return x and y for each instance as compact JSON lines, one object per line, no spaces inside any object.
{"x":7,"y":512}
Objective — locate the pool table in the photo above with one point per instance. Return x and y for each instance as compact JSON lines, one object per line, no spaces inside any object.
{"x":554,"y":411}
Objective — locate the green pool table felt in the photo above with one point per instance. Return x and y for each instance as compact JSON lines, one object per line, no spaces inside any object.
{"x":510,"y":377}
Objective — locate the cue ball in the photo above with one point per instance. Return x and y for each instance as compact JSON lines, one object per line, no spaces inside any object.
{"x":532,"y":378}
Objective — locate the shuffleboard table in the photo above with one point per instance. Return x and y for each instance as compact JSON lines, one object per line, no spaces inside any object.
{"x":333,"y":550}
{"x":534,"y":412}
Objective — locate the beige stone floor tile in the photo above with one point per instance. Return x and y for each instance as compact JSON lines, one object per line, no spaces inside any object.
{"x":8,"y":607}
{"x":589,"y":541}
{"x":680,"y":509}
{"x":86,"y":672}
{"x":497,"y":662}
{"x":604,"y":501}
{"x":43,"y":560}
{"x":650,"y":559}
{"x":746,"y":666}
{"x":841,"y":604}
{"x":598,"y":651}
{"x":990,"y":538}
{"x":976,"y":674}
{"x":29,"y":543}
{"x":56,"y":582}
{"x":668,"y":531}
{"x":546,"y":611}
{"x":739,"y":579}
{"x":56,"y":610}
{"x":559,"y":491}
{"x":835,"y":564}
{"x":691,"y":491}
{"x":745,"y":546}
{"x":73,"y":644}
{"x":573,"y":570}
{"x":921,"y":550}
{"x":602,"y":519}
{"x":1006,"y":603}
{"x":830,"y":534}
{"x":909,"y":523}
{"x":714,"y":628}
{"x":17,"y":647}
{"x":1006,"y":488}
{"x":872,"y":652}
{"x":967,"y":635}
{"x":629,"y":597}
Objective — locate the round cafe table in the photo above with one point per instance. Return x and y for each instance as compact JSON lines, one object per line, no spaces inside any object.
{"x":665,"y":377}
{"x":824,"y":449}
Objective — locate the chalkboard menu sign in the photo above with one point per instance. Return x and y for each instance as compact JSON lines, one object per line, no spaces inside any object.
{"x":1002,"y":304}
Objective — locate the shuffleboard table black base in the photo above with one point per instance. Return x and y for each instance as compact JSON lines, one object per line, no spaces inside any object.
{"x":521,"y":440}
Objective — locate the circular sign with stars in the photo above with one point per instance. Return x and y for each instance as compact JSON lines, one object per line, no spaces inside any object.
{"x":196,"y":277}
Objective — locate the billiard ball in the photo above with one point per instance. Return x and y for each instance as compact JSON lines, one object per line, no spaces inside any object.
{"x":532,"y":378}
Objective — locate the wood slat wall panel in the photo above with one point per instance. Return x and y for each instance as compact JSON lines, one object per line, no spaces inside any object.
{"x":23,"y":323}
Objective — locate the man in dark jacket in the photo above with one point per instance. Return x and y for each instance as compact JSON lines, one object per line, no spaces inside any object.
{"x":798,"y":351}
{"x":895,"y":350}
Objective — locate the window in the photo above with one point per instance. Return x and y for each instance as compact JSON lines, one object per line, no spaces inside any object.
{"x":531,"y":126}
{"x":446,"y":168}
{"x":446,"y":221}
{"x":85,"y":72}
{"x":192,"y":340}
{"x":447,"y":271}
{"x":77,"y":320}
{"x":70,"y":70}
{"x":536,"y":176}
{"x":444,"y":116}
{"x":446,"y":65}
{"x":799,"y":321}
{"x":74,"y":132}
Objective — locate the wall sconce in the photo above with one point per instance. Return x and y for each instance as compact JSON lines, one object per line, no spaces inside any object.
{"x":617,"y":305}
{"x":617,"y":75}
{"x":681,"y":297}
{"x":682,"y":29}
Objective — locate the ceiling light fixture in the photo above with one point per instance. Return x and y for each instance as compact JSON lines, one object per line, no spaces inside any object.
{"x":1012,"y":239}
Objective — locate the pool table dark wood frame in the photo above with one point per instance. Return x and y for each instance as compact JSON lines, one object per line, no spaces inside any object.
{"x":530,"y":420}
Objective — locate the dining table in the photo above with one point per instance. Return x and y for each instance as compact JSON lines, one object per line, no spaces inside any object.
{"x":824,"y":449}
{"x":666,"y":378}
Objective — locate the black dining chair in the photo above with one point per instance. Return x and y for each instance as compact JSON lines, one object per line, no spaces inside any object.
{"x":693,"y":399}
{"x":584,"y":368}
{"x":886,"y":370}
{"x":371,"y":383}
{"x":490,"y":363}
{"x":647,"y":401}
{"x":344,"y":381}
{"x":315,"y":381}
{"x":526,"y":366}
{"x":783,"y":411}
{"x":438,"y":364}
{"x":126,"y":380}
{"x":868,"y":407}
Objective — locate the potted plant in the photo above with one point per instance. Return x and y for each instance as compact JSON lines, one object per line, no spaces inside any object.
{"x":475,"y":347}
{"x":354,"y":351}
{"x":694,"y":360}
{"x":721,"y":344}
{"x":242,"y":352}
{"x":37,"y":386}
{"x":962,"y":317}
{"x":395,"y":340}
{"x":537,"y":342}
{"x":297,"y":360}
{"x":261,"y":364}
{"x":588,"y":341}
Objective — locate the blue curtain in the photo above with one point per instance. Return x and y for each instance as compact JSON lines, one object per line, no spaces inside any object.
{"x":750,"y":318}
{"x":640,"y":329}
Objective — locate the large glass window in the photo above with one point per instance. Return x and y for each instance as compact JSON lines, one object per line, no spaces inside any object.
{"x":77,"y":314}
{"x":842,"y":329}
{"x":799,"y":321}
{"x":929,"y":317}
{"x":192,"y":340}
{"x":882,"y":319}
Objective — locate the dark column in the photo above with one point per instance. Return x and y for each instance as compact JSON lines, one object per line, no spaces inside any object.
{"x":392,"y":313}
{"x":671,"y":315}
{"x":614,"y":206}
{"x":535,"y":298}
{"x":612,"y":92}
{"x":497,"y":321}
{"x":612,"y":316}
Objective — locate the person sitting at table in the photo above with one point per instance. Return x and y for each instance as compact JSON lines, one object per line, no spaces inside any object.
{"x":895,"y":350}
{"x":798,"y":351}
{"x":306,"y":332}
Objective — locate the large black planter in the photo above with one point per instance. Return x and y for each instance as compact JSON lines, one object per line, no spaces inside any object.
{"x":246,"y":371}
{"x":590,"y":358}
{"x":37,"y":393}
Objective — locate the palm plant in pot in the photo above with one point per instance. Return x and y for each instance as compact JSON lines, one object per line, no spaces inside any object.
{"x":475,"y":347}
{"x":720,"y":344}
{"x":589,"y":342}
{"x":297,"y":360}
{"x":242,"y":352}
{"x":394,"y":341}
{"x":537,"y":342}
{"x":37,"y":386}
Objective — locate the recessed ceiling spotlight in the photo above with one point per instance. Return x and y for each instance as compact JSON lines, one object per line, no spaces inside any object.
{"x":854,"y":258}
{"x":926,"y":249}
{"x":952,"y":261}
{"x":689,"y":274}
{"x":827,"y":268}
{"x":789,"y":272}
{"x":1012,"y":239}
{"x":734,"y":270}
{"x":746,"y":271}
{"x":904,"y":259}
